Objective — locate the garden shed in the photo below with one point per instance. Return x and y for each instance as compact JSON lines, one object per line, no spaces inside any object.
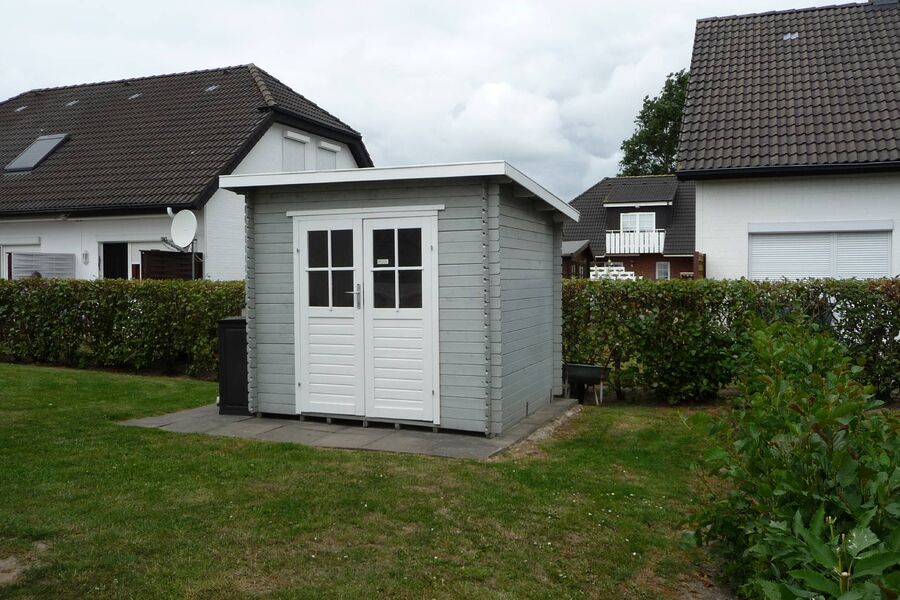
{"x":426,"y":295}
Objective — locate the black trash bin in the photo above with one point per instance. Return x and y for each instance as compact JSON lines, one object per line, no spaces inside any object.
{"x":233,"y":366}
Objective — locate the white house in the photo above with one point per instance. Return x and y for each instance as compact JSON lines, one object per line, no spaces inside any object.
{"x":91,"y":171}
{"x":791,"y":132}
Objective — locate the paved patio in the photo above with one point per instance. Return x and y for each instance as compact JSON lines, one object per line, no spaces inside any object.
{"x":351,"y":434}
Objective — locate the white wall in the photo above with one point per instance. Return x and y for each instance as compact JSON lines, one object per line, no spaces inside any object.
{"x":75,"y":236}
{"x":220,"y":227}
{"x":726,"y":208}
{"x":225,"y":210}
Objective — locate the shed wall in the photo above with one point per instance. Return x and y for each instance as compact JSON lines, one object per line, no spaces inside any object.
{"x":530,"y":285}
{"x":462,"y":280}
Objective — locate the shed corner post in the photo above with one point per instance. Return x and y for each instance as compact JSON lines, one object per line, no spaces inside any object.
{"x":557,"y":388}
{"x":250,"y":296}
{"x":490,"y":229}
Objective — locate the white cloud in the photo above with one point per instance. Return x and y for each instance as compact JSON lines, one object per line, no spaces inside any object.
{"x":551,"y":86}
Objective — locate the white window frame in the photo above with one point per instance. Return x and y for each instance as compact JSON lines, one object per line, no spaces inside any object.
{"x":668,"y":269}
{"x":638,"y":226}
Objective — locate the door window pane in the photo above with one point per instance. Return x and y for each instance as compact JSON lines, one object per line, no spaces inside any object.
{"x":341,"y":285}
{"x":318,"y":288}
{"x":410,"y":289}
{"x":384,"y":289}
{"x":647,"y":221}
{"x":317,"y":249}
{"x":383,"y":247}
{"x":629,"y":222}
{"x":409,"y":247}
{"x":342,"y":248}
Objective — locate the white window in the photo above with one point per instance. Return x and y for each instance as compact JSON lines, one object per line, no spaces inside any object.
{"x":293,"y":151}
{"x":662,"y":270}
{"x":326,"y":156}
{"x":645,"y":221}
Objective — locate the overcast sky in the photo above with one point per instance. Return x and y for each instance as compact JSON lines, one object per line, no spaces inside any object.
{"x":553,"y":87}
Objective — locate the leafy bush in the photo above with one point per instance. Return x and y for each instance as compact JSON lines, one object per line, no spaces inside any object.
{"x":681,"y":338}
{"x":116,"y":323}
{"x":814,"y":470}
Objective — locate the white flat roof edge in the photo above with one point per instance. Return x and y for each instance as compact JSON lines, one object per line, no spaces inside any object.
{"x":491,"y":168}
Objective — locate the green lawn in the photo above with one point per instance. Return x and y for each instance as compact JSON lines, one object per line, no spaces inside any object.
{"x":141,"y":513}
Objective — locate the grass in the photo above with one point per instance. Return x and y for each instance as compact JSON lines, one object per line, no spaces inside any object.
{"x":142,"y":513}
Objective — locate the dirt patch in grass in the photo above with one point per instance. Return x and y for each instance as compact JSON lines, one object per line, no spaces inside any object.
{"x":623,"y":474}
{"x":630,"y":424}
{"x":533,"y":445}
{"x":14,"y":566}
{"x":701,"y":584}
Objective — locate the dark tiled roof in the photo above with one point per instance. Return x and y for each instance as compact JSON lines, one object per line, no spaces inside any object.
{"x":796,"y":89}
{"x":145,"y":142}
{"x":680,"y":232}
{"x":651,"y":189}
{"x":574,"y":247}
{"x":592,"y":225}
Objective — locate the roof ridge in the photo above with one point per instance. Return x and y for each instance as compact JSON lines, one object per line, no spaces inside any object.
{"x":260,"y":82}
{"x":786,"y":11}
{"x":264,"y":88}
{"x":124,"y":80}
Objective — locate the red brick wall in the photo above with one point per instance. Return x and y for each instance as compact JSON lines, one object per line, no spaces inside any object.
{"x":644,"y":265}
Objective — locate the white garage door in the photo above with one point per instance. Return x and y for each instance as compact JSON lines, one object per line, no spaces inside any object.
{"x":863,"y":255}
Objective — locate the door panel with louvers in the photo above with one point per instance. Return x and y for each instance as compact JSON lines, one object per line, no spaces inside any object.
{"x":862,"y":255}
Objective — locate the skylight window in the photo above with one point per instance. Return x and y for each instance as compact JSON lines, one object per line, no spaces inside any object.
{"x":791,"y":36}
{"x":21,"y":108}
{"x":71,"y":102}
{"x":34,"y":154}
{"x":211,"y":88}
{"x":133,"y":96}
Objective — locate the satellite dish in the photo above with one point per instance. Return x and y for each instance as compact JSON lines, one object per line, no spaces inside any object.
{"x":184,"y":228}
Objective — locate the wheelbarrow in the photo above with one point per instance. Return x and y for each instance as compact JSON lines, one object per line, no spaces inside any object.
{"x":578,"y":377}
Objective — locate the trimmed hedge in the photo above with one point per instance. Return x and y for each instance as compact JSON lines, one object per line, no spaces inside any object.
{"x":149,"y":324}
{"x":681,"y":339}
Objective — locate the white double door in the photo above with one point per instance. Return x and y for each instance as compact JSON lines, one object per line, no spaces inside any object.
{"x":366,"y":310}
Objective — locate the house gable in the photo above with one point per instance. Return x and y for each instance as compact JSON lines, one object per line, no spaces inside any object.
{"x":149,"y":143}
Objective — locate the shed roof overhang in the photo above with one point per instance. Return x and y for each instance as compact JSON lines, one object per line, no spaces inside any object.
{"x":492,"y":169}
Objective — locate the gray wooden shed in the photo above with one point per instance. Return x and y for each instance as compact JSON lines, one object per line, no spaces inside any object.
{"x":426,"y":294}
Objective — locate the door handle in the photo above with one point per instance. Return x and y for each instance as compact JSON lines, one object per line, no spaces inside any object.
{"x":358,"y":294}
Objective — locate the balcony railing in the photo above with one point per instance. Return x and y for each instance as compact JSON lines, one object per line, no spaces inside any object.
{"x":635,"y":242}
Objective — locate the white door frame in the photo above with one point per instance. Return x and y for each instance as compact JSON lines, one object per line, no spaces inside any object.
{"x":358,"y":215}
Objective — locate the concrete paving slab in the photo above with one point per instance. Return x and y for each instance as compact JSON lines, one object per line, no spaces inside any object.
{"x":206,"y":419}
{"x":291,"y":433}
{"x":352,"y":438}
{"x":248,"y":428}
{"x":193,"y":425}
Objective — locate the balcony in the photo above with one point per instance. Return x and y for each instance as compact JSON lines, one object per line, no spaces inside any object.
{"x":635,"y":242}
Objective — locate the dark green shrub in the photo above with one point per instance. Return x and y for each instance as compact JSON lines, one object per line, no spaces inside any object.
{"x":814,"y":470}
{"x":116,"y":323}
{"x":680,"y":338}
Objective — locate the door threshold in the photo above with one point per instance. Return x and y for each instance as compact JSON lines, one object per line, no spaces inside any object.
{"x":366,"y":420}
